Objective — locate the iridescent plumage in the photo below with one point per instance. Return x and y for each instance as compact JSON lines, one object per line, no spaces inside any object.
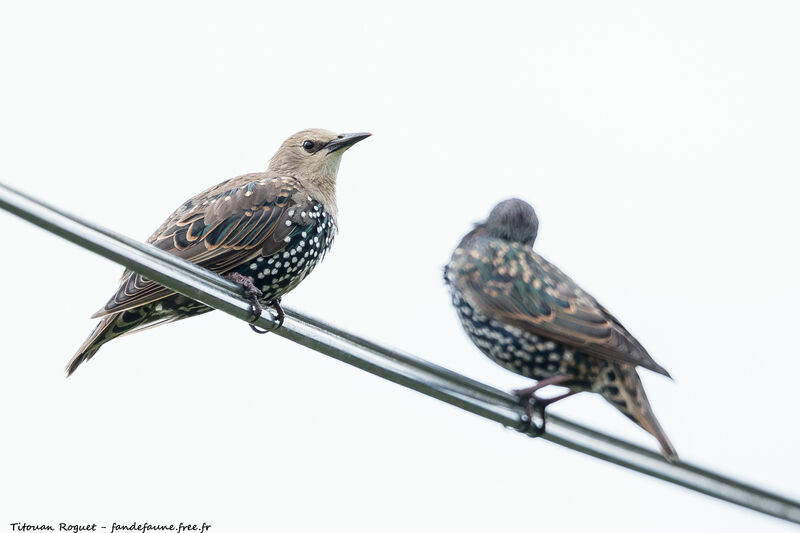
{"x":531,"y":318}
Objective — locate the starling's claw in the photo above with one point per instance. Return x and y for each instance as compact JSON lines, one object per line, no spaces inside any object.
{"x":535,"y":418}
{"x":279,"y":316}
{"x":253,"y":293}
{"x":535,"y":406}
{"x":259,"y":331}
{"x":532,"y":425}
{"x":279,"y":310}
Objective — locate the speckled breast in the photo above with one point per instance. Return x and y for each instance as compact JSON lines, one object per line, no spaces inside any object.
{"x":514,"y":349}
{"x":306,"y":245}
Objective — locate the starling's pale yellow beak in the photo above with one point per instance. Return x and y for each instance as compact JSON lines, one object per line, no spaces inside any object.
{"x":346,"y":140}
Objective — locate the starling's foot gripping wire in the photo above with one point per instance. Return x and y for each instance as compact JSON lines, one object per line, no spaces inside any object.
{"x":535,"y":406}
{"x":257,"y":330}
{"x":279,"y":316}
{"x":253,"y":294}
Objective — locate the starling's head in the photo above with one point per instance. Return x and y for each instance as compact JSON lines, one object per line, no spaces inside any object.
{"x":513,"y":220}
{"x":313,"y":155}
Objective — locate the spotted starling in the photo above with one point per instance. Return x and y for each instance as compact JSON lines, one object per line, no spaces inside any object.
{"x":529,"y":317}
{"x":265,"y":231}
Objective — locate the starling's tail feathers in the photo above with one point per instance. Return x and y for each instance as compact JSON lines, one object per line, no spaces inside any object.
{"x":110,"y":327}
{"x":626,"y":392}
{"x":649,"y":422}
{"x":101,"y":334}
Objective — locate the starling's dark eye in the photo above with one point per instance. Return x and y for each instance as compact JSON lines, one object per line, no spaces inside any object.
{"x":308,"y":146}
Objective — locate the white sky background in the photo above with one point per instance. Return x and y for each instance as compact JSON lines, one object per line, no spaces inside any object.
{"x":658,"y":144}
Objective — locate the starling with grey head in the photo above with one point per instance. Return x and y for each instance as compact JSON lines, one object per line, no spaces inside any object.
{"x":265,"y":231}
{"x":531,"y":318}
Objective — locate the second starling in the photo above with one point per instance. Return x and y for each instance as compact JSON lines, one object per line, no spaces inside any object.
{"x":531,"y":318}
{"x":265,"y":231}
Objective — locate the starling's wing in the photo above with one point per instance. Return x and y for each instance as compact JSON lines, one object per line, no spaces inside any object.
{"x":509,"y":282}
{"x":220,"y":229}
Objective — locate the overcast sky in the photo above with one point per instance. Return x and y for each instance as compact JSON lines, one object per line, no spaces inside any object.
{"x":657,"y":142}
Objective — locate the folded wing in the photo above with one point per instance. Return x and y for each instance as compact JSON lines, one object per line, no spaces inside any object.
{"x":510,"y":283}
{"x":220,"y":229}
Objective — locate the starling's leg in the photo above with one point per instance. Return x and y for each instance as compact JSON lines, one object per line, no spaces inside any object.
{"x":535,"y":404}
{"x":253,"y":293}
{"x":280,"y":315}
{"x":276,"y":304}
{"x":531,"y":391}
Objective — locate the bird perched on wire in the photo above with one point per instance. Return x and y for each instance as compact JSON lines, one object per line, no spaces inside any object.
{"x":531,"y":318}
{"x":264,"y":231}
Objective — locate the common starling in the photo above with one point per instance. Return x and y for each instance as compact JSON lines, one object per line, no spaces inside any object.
{"x":264,"y":231}
{"x":529,"y":317}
